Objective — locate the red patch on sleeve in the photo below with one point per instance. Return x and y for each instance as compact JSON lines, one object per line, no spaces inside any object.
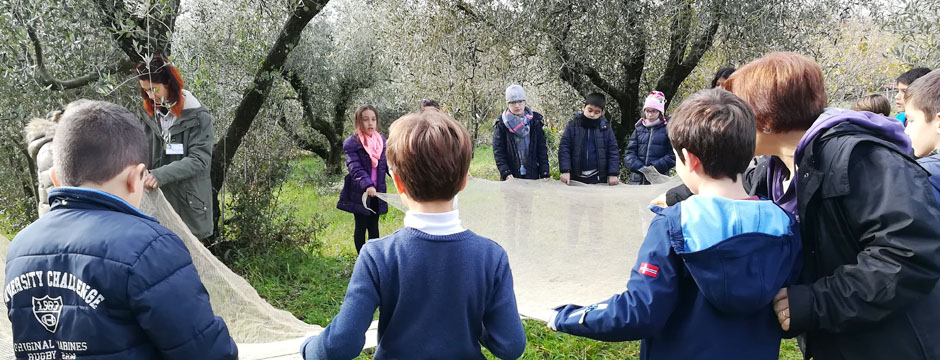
{"x":648,"y":270}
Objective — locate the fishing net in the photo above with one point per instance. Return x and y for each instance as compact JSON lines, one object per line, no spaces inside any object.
{"x":566,"y":244}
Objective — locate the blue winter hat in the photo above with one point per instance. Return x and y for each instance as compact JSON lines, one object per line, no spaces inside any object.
{"x":515,"y":93}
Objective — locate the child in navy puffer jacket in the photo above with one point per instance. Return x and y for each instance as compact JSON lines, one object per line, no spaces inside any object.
{"x":649,"y":144}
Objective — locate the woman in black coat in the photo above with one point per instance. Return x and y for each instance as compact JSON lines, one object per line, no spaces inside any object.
{"x":868,"y":218}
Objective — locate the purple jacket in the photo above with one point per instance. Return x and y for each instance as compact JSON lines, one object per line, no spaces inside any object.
{"x":359,"y":179}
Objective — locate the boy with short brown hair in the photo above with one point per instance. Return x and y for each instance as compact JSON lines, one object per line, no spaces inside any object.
{"x":707,"y":271}
{"x":922,"y":102}
{"x":95,"y":277}
{"x":442,"y":290}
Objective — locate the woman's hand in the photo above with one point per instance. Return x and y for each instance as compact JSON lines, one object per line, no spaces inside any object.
{"x":371,"y":191}
{"x":150,"y":181}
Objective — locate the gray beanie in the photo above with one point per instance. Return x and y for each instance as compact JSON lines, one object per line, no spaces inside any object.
{"x":515,"y":93}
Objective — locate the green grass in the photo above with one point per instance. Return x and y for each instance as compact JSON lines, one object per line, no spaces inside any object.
{"x":310,"y":282}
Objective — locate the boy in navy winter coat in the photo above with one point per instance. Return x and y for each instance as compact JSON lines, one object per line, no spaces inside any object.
{"x":441,"y":290}
{"x":708,"y":270}
{"x":922,"y":101}
{"x":95,"y":278}
{"x":588,"y":150}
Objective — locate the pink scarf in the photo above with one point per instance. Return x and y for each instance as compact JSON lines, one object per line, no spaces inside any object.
{"x":374,"y":145}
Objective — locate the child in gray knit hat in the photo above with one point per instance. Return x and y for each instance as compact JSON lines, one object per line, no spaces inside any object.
{"x":519,"y":141}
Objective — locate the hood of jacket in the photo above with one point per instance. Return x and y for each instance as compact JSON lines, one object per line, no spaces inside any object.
{"x":38,"y":132}
{"x":739,"y":252}
{"x":887,"y":129}
{"x":191,"y":107}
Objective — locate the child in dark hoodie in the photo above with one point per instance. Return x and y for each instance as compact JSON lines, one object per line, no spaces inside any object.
{"x":705,"y":277}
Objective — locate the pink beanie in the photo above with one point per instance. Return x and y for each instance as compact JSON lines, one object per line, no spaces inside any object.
{"x":656,"y":100}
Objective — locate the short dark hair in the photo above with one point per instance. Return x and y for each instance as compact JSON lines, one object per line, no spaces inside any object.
{"x":719,"y":128}
{"x":908,"y":77}
{"x":875,"y":103}
{"x":724,"y":72}
{"x":596,"y":99}
{"x":785,"y":90}
{"x":95,"y":141}
{"x":430,"y":103}
{"x":430,"y":152}
{"x":924,"y":94}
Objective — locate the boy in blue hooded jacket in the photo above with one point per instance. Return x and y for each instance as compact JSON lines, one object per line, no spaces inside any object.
{"x":95,"y":278}
{"x":707,"y":272}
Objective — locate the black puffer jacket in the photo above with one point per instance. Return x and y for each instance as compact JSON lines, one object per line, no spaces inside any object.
{"x":871,"y":246}
{"x":571,"y":148}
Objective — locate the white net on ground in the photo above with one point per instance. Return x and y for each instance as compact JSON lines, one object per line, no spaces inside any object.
{"x":250,"y":318}
{"x":566,"y":244}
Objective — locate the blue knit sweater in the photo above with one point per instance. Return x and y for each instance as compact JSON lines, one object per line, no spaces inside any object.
{"x":439,"y":297}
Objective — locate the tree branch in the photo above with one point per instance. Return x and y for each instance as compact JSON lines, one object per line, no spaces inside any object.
{"x":114,"y":11}
{"x":302,"y":143}
{"x":679,"y":40}
{"x":304,"y":96}
{"x":678,"y":70}
{"x":633,"y":65}
{"x":47,"y":80}
{"x":704,"y":42}
{"x":464,"y":7}
{"x":224,"y":150}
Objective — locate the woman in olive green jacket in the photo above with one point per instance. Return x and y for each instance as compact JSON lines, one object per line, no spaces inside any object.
{"x":181,"y":139}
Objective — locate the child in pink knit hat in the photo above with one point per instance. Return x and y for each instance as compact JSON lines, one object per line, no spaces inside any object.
{"x":649,"y":144}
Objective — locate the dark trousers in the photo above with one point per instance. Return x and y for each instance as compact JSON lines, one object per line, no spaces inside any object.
{"x":363,"y":223}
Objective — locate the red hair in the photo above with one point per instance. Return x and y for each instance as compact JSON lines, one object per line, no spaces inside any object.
{"x":160,"y":71}
{"x":786,"y":90}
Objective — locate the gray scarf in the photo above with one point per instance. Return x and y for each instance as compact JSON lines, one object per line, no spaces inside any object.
{"x":519,"y":126}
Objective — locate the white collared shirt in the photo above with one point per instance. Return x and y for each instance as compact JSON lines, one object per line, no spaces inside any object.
{"x":438,"y":224}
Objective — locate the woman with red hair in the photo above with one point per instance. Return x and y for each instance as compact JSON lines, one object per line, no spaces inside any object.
{"x":868,"y":217}
{"x":181,"y":138}
{"x":869,"y":285}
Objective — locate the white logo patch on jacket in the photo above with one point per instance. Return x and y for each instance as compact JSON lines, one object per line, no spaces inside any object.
{"x":47,"y":311}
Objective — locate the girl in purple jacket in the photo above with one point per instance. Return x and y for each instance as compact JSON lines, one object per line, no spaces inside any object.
{"x":365,"y":159}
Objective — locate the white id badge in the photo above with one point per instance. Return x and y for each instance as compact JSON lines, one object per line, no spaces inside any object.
{"x":174,"y":149}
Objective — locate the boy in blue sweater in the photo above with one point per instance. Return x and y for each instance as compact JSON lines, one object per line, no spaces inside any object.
{"x":922,"y":101}
{"x":708,"y":270}
{"x":441,"y":290}
{"x":95,"y":278}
